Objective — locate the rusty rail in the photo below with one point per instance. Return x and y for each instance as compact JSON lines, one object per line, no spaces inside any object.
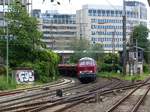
{"x":124,"y":98}
{"x":135,"y":108}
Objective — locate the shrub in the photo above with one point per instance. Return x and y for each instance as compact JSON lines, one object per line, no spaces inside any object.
{"x":146,"y":68}
{"x":110,"y":67}
{"x":45,"y":66}
{"x":2,"y":70}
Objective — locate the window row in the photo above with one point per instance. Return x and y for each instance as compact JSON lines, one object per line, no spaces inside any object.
{"x":105,"y":33}
{"x":50,"y":15}
{"x":59,"y":21}
{"x":60,"y":33}
{"x":106,"y":39}
{"x":57,"y":38}
{"x":105,"y":27}
{"x":104,"y":13}
{"x":58,"y":27}
{"x":103,"y":21}
{"x":113,"y":13}
{"x":110,"y":45}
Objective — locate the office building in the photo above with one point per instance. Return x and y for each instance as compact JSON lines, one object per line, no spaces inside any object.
{"x":59,"y":30}
{"x":4,"y":4}
{"x":103,"y":24}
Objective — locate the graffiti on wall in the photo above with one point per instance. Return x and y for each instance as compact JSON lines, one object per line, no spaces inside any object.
{"x":24,"y":76}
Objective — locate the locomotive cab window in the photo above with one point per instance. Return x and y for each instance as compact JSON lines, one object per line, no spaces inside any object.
{"x":86,"y":62}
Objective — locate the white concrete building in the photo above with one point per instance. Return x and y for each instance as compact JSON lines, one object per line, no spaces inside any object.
{"x":103,"y":24}
{"x":4,"y":8}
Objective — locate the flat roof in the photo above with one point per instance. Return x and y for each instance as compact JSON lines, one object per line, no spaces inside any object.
{"x":63,"y":51}
{"x":72,"y":51}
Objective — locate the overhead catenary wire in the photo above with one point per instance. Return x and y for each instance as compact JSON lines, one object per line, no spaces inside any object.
{"x":111,"y":4}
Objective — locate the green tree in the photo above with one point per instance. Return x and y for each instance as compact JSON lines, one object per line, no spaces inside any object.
{"x":25,"y":46}
{"x":96,"y":51}
{"x":140,"y":33}
{"x":24,"y":28}
{"x":111,"y":63}
{"x":80,"y":48}
{"x":83,"y":48}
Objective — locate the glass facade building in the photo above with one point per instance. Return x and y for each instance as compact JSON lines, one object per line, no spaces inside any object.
{"x":59,"y":30}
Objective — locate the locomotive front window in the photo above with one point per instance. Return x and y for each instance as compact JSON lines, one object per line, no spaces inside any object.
{"x":86,"y":62}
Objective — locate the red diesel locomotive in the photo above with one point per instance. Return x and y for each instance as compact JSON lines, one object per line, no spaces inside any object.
{"x":86,"y":69}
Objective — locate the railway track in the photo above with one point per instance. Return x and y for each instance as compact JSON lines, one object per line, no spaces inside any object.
{"x":76,"y":96}
{"x":11,"y":105}
{"x":49,"y":85}
{"x":115,"y":107}
{"x":35,"y":92}
{"x":86,"y":97}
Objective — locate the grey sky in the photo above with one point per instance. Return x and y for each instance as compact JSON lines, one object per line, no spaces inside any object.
{"x":74,"y":5}
{"x":71,"y":7}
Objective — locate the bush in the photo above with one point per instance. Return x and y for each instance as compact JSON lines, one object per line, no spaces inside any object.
{"x":106,"y":67}
{"x":45,"y":66}
{"x":110,"y":67}
{"x":2,"y":70}
{"x":146,"y":68}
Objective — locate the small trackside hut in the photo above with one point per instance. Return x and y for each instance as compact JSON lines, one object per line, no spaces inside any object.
{"x":86,"y":69}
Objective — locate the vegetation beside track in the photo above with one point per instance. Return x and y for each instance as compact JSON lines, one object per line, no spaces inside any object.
{"x":4,"y":85}
{"x":13,"y":85}
{"x":122,"y":77}
{"x":26,"y":50}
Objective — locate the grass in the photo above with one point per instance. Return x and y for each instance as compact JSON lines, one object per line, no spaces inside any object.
{"x":36,"y":83}
{"x":13,"y":85}
{"x":121,"y":76}
{"x":4,"y":85}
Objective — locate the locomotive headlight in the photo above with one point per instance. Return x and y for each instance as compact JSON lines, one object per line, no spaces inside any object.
{"x":90,"y":71}
{"x":80,"y":71}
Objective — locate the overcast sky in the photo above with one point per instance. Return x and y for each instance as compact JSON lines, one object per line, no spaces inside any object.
{"x":74,"y":5}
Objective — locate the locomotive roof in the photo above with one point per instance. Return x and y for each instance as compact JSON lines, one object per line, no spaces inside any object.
{"x":86,"y":58}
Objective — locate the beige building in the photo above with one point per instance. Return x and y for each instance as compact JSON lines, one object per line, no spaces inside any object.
{"x":59,"y":30}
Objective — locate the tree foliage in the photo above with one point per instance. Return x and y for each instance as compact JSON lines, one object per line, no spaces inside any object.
{"x":110,"y":63}
{"x":83,"y":48}
{"x":79,"y":47}
{"x":25,"y":46}
{"x":96,"y":51}
{"x":140,"y":33}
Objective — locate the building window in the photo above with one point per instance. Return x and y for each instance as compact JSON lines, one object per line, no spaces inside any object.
{"x":103,"y":12}
{"x":99,"y":12}
{"x":108,"y":13}
{"x":90,"y":12}
{"x":112,"y":13}
{"x":94,"y":12}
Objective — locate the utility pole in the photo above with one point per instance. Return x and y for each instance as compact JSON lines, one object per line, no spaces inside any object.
{"x":124,"y":38}
{"x":113,"y":41}
{"x":136,"y":66}
{"x":6,"y":32}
